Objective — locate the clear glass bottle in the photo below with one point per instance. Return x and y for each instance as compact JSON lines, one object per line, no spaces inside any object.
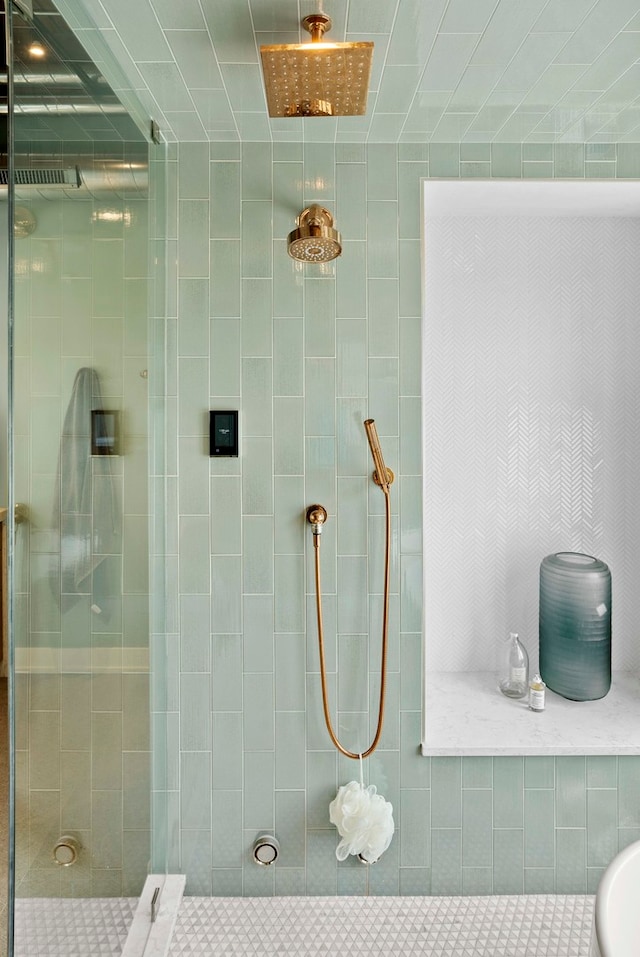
{"x":514,"y":677}
{"x":537,"y":688}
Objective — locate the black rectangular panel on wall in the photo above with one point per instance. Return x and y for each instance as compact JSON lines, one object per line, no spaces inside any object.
{"x":223,"y":433}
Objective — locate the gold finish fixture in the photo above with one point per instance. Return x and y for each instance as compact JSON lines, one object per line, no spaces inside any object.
{"x":317,"y":516}
{"x":382,"y":475}
{"x":314,"y":240}
{"x":317,"y":78}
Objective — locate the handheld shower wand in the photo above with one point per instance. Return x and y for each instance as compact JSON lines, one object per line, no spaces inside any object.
{"x":316,"y":517}
{"x":382,"y":475}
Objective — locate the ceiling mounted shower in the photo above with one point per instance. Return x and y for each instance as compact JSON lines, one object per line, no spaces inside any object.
{"x":317,"y":78}
{"x":314,"y":240}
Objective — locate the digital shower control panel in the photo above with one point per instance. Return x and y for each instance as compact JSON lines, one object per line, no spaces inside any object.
{"x":223,"y":433}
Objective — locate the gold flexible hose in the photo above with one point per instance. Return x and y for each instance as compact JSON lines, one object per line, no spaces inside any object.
{"x":385,"y":630}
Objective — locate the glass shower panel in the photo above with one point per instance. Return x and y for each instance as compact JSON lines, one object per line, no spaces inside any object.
{"x":82,"y":451}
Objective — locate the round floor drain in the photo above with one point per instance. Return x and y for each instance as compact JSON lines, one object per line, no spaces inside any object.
{"x":66,"y":851}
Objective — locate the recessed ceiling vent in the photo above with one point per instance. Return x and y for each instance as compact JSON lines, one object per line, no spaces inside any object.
{"x":66,"y":178}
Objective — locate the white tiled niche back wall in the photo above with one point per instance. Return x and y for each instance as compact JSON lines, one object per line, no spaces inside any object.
{"x":531,"y":409}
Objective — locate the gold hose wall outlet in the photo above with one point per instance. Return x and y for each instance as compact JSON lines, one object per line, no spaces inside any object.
{"x":316,"y":517}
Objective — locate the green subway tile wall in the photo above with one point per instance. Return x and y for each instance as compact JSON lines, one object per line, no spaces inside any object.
{"x":305,"y":354}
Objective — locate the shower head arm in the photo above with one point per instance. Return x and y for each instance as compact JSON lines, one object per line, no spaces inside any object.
{"x":382,"y":476}
{"x":317,"y":24}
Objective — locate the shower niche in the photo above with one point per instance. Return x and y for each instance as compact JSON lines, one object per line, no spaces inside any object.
{"x":531,"y":404}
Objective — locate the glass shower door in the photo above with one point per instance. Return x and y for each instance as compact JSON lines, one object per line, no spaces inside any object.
{"x":82,"y":437}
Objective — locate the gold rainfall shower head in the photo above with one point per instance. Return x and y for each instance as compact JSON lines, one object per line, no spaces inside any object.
{"x":315,"y":240}
{"x":317,"y":78}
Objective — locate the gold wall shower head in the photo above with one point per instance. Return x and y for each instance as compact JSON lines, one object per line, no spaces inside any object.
{"x":314,"y":240}
{"x":317,"y":78}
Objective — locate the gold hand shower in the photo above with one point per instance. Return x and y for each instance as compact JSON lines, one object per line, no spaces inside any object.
{"x":317,"y":516}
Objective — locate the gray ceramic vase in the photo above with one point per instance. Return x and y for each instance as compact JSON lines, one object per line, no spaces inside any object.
{"x":575,"y":625}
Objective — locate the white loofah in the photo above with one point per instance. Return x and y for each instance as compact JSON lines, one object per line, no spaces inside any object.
{"x":364,"y":821}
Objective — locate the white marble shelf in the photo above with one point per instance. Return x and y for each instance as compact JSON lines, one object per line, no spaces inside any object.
{"x":467,"y":714}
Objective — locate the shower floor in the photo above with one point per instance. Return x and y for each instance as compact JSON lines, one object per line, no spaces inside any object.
{"x":54,"y":927}
{"x":510,"y":926}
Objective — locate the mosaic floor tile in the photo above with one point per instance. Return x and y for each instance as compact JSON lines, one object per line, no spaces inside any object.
{"x":51,"y":927}
{"x":525,"y":926}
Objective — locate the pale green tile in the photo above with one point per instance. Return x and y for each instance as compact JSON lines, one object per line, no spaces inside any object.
{"x":257,"y":391}
{"x":135,"y":712}
{"x":288,"y":439}
{"x":226,"y":828}
{"x":568,"y":160}
{"x":351,"y":187}
{"x":444,"y":160}
{"x":193,"y":238}
{"x":627,"y":835}
{"x":290,"y":824}
{"x":351,"y":361}
{"x":602,"y":771}
{"x":225,"y":201}
{"x":256,"y":239}
{"x":259,"y":778}
{"x":411,"y":672}
{"x":195,"y":708}
{"x":288,"y":282}
{"x":106,"y":749}
{"x":289,"y":507}
{"x":319,"y":322}
{"x":256,"y":317}
{"x":506,"y":160}
{"x":602,"y":829}
{"x":628,"y":166}
{"x":351,"y":277}
{"x":571,"y":807}
{"x":628,"y":790}
{"x":477,"y":833}
{"x":287,"y":359}
{"x":226,"y":591}
{"x":477,"y":881}
{"x":539,"y":772}
{"x":446,"y":861}
{"x":225,"y":361}
{"x":195,"y":787}
{"x":508,"y":857}
{"x":106,"y":820}
{"x":257,"y":620}
{"x":290,"y":752}
{"x":320,"y":390}
{"x":508,"y":779}
{"x":415,"y":836}
{"x":446,"y":792}
{"x":321,"y":849}
{"x":227,"y":672}
{"x":225,"y":515}
{"x":195,"y":848}
{"x":382,"y":234}
{"x":415,"y":771}
{"x":539,"y":828}
{"x":409,"y":272}
{"x":411,"y":592}
{"x":257,"y":555}
{"x":382,"y":172}
{"x":289,"y":593}
{"x":477,"y":772}
{"x":290,"y":662}
{"x":539,"y":880}
{"x":415,"y":881}
{"x":571,"y":871}
{"x":537,"y":170}
{"x":257,"y":716}
{"x":227,"y":751}
{"x":600,"y":170}
{"x":257,"y":476}
{"x":224,"y":301}
{"x":194,"y":556}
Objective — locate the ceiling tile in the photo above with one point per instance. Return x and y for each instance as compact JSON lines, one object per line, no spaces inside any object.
{"x":469,"y":69}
